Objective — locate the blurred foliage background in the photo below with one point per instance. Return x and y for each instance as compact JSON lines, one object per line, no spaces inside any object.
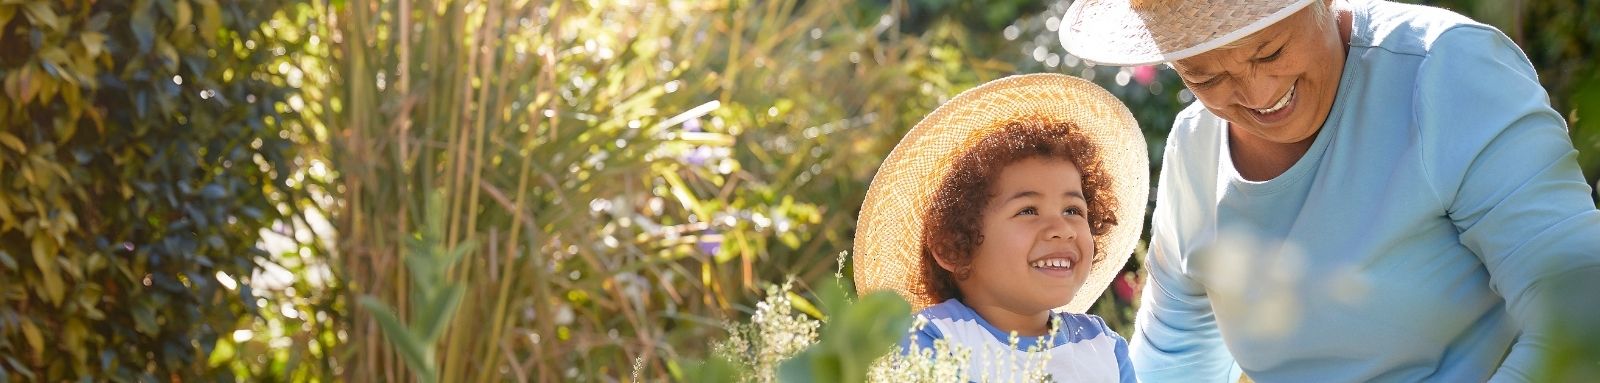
{"x":142,"y":157}
{"x":204,"y":189}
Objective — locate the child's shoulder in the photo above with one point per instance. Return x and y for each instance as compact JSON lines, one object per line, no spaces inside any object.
{"x":950,"y":309}
{"x":1080,"y":327}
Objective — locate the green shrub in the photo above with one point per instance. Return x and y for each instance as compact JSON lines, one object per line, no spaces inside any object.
{"x":140,"y":159}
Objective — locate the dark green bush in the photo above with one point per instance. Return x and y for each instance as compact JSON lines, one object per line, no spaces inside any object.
{"x":140,"y":156}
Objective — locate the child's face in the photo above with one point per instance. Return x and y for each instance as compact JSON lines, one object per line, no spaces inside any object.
{"x":1036,"y":249}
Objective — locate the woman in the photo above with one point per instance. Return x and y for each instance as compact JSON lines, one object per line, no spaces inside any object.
{"x":1366,"y":191}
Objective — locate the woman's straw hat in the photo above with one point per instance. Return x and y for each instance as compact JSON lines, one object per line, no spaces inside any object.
{"x":888,"y":245}
{"x":1141,"y":32}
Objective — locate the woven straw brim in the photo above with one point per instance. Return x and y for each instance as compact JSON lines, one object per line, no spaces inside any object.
{"x":889,"y":231}
{"x":1146,"y":32}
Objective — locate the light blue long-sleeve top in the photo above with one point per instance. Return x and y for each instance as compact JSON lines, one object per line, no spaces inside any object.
{"x":1414,"y":241}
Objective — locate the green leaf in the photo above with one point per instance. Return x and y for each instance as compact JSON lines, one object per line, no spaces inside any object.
{"x":7,"y":11}
{"x":185,"y":15}
{"x":98,"y":22}
{"x":22,"y":84}
{"x":416,"y":354}
{"x":169,"y":55}
{"x":34,"y":337}
{"x":44,"y":256}
{"x":40,"y":14}
{"x":213,"y":192}
{"x":874,"y":323}
{"x":13,"y":142}
{"x":93,"y":42}
{"x":210,"y":20}
{"x":143,"y":25}
{"x":438,"y":316}
{"x":221,"y":354}
{"x":7,"y":260}
{"x":803,"y":305}
{"x":712,"y":370}
{"x":144,"y":319}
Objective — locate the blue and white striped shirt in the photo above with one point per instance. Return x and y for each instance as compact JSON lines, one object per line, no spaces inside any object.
{"x":1085,"y":350}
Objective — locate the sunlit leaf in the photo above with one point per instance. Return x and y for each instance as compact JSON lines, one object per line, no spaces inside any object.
{"x":11,"y":141}
{"x":44,"y":257}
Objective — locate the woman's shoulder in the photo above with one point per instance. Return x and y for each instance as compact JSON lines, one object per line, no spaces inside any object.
{"x":1408,"y":29}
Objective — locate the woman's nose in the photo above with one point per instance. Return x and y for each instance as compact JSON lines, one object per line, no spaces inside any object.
{"x":1255,"y":92}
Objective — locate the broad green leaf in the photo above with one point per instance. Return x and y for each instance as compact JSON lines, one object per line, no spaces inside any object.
{"x":93,"y":42}
{"x":213,"y":192}
{"x":169,"y":55}
{"x":438,"y":316}
{"x":13,"y":142}
{"x":40,"y":13}
{"x":210,"y":20}
{"x":803,"y":305}
{"x":416,"y":353}
{"x":221,"y":354}
{"x":7,"y":261}
{"x":710,"y":370}
{"x":144,"y":319}
{"x":185,"y":15}
{"x":7,"y":11}
{"x":143,"y":25}
{"x":44,"y":256}
{"x":34,"y":337}
{"x":23,"y":83}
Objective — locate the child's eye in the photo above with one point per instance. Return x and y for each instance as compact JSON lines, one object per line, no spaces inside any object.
{"x":1028,"y":211}
{"x":1073,"y":211}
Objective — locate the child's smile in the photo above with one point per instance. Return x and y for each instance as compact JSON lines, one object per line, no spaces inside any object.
{"x":1057,"y":264}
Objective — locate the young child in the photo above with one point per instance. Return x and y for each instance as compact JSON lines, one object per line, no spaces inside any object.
{"x":1018,"y":197}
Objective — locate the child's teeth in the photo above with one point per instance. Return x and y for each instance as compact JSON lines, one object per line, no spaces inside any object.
{"x":1053,"y":263}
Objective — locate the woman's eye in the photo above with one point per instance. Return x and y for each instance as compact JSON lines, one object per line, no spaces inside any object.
{"x":1273,"y":56}
{"x":1028,"y":211}
{"x":1203,"y":84}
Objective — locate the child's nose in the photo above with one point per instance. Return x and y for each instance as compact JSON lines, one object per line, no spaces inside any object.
{"x":1060,"y":228}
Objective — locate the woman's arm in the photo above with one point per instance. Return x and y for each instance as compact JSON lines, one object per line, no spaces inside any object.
{"x":1175,"y":337}
{"x":1502,"y":166}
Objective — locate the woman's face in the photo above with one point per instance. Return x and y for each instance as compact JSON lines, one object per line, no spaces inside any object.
{"x":1278,"y":85}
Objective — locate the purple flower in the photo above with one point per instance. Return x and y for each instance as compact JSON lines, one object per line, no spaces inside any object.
{"x":710,"y":242}
{"x":698,"y":156}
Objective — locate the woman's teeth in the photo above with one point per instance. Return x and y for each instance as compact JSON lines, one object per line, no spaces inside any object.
{"x":1060,"y":263}
{"x":1282,"y":102}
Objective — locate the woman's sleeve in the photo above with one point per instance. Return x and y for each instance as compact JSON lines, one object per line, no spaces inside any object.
{"x":1175,"y":337}
{"x":1503,"y":168}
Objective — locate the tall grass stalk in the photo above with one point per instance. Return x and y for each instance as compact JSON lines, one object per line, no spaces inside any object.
{"x":631,"y":170}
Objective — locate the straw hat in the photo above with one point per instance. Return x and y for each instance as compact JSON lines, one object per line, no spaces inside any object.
{"x":888,"y":245}
{"x":1140,"y":32}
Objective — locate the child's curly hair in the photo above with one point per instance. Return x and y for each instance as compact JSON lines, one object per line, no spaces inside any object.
{"x":953,"y":222}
